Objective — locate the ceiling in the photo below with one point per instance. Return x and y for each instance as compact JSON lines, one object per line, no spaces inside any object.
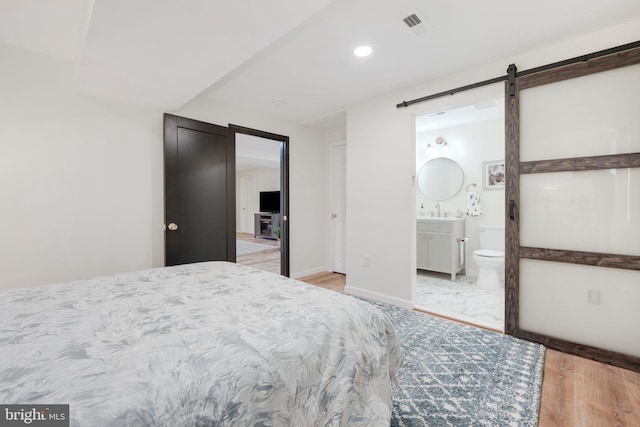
{"x":287,"y":58}
{"x":489,"y":109}
{"x":256,"y":152}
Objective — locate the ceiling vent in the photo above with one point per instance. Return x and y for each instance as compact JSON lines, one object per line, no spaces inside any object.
{"x":412,"y":20}
{"x":417,"y":23}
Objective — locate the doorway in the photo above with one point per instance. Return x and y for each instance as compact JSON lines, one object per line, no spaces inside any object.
{"x":466,"y":139}
{"x":200,"y":192}
{"x":338,"y":235}
{"x":261,"y":199}
{"x":245,"y":195}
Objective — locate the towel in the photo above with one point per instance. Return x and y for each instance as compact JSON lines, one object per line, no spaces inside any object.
{"x":473,"y":203}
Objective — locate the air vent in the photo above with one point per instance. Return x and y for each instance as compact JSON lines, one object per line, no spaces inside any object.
{"x":417,"y":22}
{"x":412,"y":20}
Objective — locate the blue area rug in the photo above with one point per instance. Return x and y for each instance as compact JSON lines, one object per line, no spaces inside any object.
{"x":457,"y":375}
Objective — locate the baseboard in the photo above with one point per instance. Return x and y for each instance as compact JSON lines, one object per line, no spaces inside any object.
{"x":363,"y":293}
{"x":309,"y":272}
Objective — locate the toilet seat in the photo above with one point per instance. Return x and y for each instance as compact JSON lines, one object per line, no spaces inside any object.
{"x":488,"y":253}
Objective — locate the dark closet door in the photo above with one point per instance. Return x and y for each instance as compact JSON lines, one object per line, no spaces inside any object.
{"x":199,"y":192}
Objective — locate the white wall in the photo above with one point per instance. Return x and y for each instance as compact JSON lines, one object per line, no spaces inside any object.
{"x":469,"y":145}
{"x":267,"y":179}
{"x":80,"y":178}
{"x":307,"y":174}
{"x":381,"y":163}
{"x":380,"y":202}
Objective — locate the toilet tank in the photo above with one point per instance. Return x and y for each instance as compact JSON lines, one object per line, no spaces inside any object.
{"x":491,"y":237}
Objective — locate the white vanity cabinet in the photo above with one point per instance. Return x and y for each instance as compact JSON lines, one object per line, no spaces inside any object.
{"x":439,"y":245}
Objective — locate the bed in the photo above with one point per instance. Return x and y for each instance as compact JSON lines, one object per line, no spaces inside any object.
{"x":202,"y":344}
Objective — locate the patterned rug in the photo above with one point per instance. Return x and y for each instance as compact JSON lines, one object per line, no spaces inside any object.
{"x":245,"y":248}
{"x":457,"y":375}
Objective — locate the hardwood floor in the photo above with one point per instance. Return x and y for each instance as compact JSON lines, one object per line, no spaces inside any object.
{"x":581,"y":392}
{"x":327,"y":280}
{"x":267,"y":260}
{"x":576,"y":392}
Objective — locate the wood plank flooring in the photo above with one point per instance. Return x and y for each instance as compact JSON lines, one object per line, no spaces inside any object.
{"x":582,"y":392}
{"x":576,"y":392}
{"x":266,"y":260}
{"x":327,"y":280}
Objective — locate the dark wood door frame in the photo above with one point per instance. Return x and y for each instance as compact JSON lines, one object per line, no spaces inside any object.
{"x":284,"y":187}
{"x":515,"y":168}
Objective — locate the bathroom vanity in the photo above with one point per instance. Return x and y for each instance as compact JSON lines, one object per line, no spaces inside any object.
{"x":440,"y":245}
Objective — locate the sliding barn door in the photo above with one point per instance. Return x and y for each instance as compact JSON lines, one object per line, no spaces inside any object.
{"x":573,"y":208}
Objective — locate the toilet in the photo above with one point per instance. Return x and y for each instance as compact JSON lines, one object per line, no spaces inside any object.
{"x":490,"y":256}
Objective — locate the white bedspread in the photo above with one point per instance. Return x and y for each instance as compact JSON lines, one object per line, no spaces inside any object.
{"x":209,"y":344}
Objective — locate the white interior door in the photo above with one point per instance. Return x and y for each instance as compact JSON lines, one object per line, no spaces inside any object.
{"x":249,"y":204}
{"x":338,"y":208}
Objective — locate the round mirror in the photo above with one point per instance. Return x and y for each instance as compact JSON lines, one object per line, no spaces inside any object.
{"x":440,"y":178}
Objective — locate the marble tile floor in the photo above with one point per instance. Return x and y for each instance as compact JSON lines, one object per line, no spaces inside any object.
{"x":461,"y":300}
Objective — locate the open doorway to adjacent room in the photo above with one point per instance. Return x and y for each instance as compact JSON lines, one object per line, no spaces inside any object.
{"x":259,"y":213}
{"x":457,"y":199}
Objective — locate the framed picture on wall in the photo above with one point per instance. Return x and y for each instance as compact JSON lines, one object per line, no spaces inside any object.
{"x":493,"y":175}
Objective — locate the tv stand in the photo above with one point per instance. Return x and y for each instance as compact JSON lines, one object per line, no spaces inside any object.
{"x":265,"y":225}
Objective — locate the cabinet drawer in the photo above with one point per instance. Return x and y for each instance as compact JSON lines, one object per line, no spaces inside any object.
{"x":442,"y":227}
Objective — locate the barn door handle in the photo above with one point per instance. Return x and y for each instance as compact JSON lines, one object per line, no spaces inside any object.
{"x":512,"y":210}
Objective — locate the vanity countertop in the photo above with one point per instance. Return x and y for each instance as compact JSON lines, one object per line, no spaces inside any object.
{"x":440,"y":218}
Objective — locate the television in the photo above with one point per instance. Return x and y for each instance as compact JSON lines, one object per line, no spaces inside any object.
{"x":270,"y":201}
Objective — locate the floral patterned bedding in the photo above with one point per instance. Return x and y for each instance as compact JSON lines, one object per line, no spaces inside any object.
{"x":208,"y":344}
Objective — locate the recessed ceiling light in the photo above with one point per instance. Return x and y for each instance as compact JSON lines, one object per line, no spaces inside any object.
{"x":363,"y":51}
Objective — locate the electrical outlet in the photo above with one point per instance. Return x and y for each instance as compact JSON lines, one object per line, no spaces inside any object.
{"x":594,"y":296}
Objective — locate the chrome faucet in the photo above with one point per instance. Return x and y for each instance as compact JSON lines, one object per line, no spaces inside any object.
{"x":438,"y":207}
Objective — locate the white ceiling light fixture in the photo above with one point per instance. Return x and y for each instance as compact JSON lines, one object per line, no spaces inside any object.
{"x":362,"y":51}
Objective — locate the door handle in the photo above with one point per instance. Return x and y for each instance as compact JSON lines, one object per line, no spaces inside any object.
{"x":172,"y":227}
{"x":334,"y":216}
{"x":512,"y":210}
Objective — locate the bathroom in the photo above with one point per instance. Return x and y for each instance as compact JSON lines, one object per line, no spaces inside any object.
{"x":470,"y":138}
